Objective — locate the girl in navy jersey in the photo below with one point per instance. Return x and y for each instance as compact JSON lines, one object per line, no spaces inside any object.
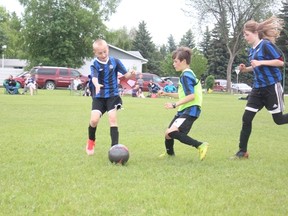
{"x":265,"y":59}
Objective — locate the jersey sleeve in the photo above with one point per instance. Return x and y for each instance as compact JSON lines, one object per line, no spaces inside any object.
{"x":120,"y":67}
{"x":189,"y":81}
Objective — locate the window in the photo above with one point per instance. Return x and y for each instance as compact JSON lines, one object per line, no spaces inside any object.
{"x":75,"y":73}
{"x":63,"y":72}
{"x":46,"y":71}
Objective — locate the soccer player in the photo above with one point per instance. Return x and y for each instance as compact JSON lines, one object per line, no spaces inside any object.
{"x":104,"y":91}
{"x":265,"y":60}
{"x":189,"y":105}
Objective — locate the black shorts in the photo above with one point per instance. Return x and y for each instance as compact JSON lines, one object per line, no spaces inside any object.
{"x":271,"y":97}
{"x":106,"y":104}
{"x":183,"y":123}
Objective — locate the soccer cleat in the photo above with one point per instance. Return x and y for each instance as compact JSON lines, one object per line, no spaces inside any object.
{"x":90,"y":147}
{"x":240,"y":155}
{"x":203,"y":148}
{"x":165,"y":155}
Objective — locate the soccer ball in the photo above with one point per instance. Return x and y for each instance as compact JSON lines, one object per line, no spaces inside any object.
{"x":118,"y":154}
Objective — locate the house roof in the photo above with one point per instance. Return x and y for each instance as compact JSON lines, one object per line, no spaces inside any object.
{"x":135,"y":54}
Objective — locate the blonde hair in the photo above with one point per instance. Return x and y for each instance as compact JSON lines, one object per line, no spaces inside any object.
{"x":269,"y":29}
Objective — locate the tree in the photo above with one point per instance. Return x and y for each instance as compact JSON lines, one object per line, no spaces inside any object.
{"x":143,"y":43}
{"x":120,"y":38}
{"x":236,"y":12}
{"x":61,"y":32}
{"x":282,"y":41}
{"x":217,"y":55}
{"x":204,"y":45}
{"x":3,"y":26}
{"x":171,"y":44}
{"x":198,"y":63}
{"x":188,"y":40}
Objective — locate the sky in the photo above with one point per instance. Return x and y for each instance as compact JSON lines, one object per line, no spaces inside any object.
{"x":162,"y":17}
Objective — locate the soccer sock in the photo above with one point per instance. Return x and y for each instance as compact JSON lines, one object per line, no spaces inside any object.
{"x":169,"y":144}
{"x":184,"y":138}
{"x":114,"y":135}
{"x":280,"y":119}
{"x":92,"y":133}
{"x":246,"y":129}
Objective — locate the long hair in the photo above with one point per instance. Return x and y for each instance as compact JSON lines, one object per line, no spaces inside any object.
{"x":269,"y":29}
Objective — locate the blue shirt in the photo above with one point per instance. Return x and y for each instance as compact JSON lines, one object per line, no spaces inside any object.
{"x":187,"y":81}
{"x":107,"y":74}
{"x":265,"y":75}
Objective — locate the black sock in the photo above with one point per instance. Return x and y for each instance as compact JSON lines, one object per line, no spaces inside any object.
{"x":182,"y":137}
{"x":169,"y":144}
{"x":114,"y":135}
{"x":92,"y":133}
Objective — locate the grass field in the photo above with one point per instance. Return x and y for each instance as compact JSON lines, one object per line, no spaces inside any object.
{"x":44,"y":169}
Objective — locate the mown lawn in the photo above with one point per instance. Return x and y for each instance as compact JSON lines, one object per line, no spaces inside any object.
{"x":45,"y":171}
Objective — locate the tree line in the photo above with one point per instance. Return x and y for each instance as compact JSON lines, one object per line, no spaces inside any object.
{"x":61,"y":33}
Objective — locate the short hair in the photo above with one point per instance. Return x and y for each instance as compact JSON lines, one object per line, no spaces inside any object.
{"x":182,"y":53}
{"x":99,"y":42}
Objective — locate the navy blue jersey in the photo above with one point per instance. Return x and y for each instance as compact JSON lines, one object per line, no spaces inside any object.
{"x":265,"y":75}
{"x":107,"y":74}
{"x":187,"y":83}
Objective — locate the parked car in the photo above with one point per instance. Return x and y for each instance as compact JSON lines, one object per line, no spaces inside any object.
{"x":155,"y":78}
{"x":175,"y":80}
{"x":221,"y":82}
{"x":241,"y":88}
{"x":219,"y":88}
{"x":49,"y":77}
{"x":20,"y":78}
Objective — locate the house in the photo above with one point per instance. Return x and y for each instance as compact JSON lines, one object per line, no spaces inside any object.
{"x":130,"y":59}
{"x":11,"y":67}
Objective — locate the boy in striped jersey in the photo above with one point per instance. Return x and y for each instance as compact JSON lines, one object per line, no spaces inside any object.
{"x":104,"y":92}
{"x":265,"y":59}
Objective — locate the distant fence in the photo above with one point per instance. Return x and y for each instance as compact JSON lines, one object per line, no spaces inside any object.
{"x":4,"y":74}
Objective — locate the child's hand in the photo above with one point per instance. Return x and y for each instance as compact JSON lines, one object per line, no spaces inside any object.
{"x":242,"y":67}
{"x":97,"y":88}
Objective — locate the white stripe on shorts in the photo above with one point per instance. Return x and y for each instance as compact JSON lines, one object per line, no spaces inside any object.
{"x":280,"y":99}
{"x":178,"y":122}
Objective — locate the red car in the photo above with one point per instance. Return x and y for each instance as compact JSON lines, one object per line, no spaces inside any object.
{"x":20,"y":78}
{"x":49,"y":77}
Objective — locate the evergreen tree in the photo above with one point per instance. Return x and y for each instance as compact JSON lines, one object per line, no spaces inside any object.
{"x":171,"y":44}
{"x":205,"y":44}
{"x":143,"y":43}
{"x":217,"y":55}
{"x":188,"y":40}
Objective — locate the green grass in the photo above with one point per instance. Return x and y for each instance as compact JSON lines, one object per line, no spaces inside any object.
{"x":44,"y":169}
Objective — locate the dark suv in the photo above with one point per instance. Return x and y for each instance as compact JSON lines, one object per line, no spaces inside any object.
{"x":55,"y":77}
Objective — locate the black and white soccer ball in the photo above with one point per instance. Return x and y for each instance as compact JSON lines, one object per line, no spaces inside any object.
{"x":118,"y":154}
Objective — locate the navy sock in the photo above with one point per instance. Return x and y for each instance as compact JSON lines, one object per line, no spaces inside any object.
{"x":114,"y":135}
{"x":169,"y":144}
{"x":184,"y":138}
{"x":92,"y":133}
